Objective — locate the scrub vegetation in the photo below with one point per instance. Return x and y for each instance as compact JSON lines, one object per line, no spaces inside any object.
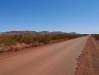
{"x":17,"y":40}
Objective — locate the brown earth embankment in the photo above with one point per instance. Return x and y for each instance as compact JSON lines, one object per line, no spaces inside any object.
{"x":88,"y":61}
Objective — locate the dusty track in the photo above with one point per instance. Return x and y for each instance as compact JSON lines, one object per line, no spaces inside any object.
{"x":89,"y":59}
{"x":56,"y":59}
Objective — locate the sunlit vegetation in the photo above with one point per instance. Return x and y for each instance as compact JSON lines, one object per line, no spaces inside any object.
{"x":96,"y":36}
{"x":13,"y":41}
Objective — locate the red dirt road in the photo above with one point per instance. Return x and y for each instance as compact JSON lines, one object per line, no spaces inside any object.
{"x":89,"y":59}
{"x":55,"y":59}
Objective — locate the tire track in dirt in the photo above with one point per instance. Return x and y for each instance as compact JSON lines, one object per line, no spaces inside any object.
{"x":88,"y":61}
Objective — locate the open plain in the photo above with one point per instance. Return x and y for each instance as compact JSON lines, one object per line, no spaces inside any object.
{"x":78,"y":56}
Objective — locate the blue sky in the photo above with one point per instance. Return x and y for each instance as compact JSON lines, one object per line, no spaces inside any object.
{"x":80,"y":16}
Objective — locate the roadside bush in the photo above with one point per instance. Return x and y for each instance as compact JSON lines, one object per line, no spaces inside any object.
{"x":29,"y":39}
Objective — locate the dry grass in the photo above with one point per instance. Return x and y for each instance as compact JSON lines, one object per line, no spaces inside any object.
{"x":14,"y":41}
